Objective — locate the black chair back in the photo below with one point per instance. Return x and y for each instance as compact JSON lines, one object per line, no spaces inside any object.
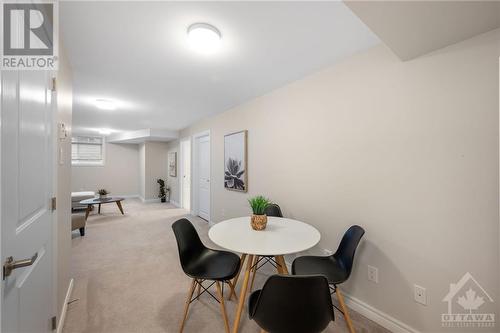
{"x":347,"y":247}
{"x":299,"y":304}
{"x":188,"y":242}
{"x":273,"y":210}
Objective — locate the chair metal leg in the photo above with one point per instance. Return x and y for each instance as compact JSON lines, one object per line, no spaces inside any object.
{"x":222,"y":306}
{"x":347,"y":317}
{"x":186,"y":307}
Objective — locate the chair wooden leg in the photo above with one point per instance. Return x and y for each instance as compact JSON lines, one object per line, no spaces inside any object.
{"x":233,"y":291}
{"x":254,"y":272}
{"x":243,"y":294}
{"x":235,"y":280}
{"x":281,"y":265}
{"x":347,"y":317}
{"x":199,"y":290}
{"x":186,"y":307}
{"x":222,"y":306}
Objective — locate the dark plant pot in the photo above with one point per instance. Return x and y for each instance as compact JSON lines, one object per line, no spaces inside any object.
{"x":163,"y":199}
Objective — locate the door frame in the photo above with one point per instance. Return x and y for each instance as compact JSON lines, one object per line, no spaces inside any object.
{"x":182,"y":154}
{"x":195,"y":173}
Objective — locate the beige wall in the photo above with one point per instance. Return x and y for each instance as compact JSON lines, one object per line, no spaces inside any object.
{"x":409,"y":150}
{"x":142,"y":170}
{"x":62,"y":228}
{"x":156,"y":167}
{"x":119,"y":175}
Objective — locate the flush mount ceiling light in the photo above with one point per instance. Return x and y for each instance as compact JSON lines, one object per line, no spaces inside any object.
{"x":104,"y":131}
{"x":105,"y":104}
{"x":204,"y":38}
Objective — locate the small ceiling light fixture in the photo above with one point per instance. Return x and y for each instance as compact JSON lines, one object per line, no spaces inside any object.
{"x":105,"y":104}
{"x":204,"y":38}
{"x":104,"y":131}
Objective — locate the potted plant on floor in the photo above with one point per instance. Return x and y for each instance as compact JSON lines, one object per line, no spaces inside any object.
{"x":102,"y":193}
{"x":163,"y":190}
{"x":258,"y":221}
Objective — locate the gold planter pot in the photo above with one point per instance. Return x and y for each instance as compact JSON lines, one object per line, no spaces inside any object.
{"x":258,"y":222}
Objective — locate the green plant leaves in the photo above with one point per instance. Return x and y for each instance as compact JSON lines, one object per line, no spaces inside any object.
{"x":259,"y":204}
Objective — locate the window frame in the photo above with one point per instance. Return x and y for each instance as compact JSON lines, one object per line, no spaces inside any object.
{"x":100,"y":163}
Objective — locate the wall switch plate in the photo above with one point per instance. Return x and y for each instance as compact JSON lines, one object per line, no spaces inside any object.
{"x":372,"y":274}
{"x":420,"y":294}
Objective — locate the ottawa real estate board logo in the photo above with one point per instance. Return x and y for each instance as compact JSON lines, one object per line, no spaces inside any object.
{"x":468,"y":305}
{"x":29,"y":35}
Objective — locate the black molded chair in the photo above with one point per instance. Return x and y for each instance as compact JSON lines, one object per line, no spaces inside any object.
{"x":259,"y":261}
{"x":298,"y":304}
{"x":204,"y":264}
{"x":337,"y":267}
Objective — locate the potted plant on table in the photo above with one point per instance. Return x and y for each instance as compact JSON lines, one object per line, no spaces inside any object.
{"x":102,"y":193}
{"x":163,"y":190}
{"x":258,"y":221}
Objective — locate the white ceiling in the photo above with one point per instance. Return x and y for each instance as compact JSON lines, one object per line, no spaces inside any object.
{"x":414,"y":28}
{"x":136,"y":53}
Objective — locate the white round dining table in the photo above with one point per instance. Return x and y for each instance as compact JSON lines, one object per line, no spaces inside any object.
{"x":281,"y":236}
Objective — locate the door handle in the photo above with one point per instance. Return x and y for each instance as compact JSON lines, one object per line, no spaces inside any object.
{"x":11,"y":265}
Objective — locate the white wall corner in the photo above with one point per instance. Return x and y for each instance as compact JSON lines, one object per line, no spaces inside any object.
{"x":175,"y":203}
{"x":64,"y":310}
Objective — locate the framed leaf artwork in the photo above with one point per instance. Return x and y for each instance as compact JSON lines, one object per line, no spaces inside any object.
{"x":235,"y":161}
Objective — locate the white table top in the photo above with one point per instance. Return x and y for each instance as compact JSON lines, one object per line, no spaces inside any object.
{"x":281,"y":236}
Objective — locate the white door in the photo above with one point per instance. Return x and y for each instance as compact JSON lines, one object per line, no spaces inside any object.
{"x":204,"y":177}
{"x":27,"y":302}
{"x":186,"y":174}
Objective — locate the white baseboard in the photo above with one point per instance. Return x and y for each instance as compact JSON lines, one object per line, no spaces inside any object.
{"x":149,"y":200}
{"x":64,"y":309}
{"x":381,"y":318}
{"x":175,"y":203}
{"x":130,"y":196}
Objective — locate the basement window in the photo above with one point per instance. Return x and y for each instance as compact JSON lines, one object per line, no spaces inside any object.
{"x":87,"y":150}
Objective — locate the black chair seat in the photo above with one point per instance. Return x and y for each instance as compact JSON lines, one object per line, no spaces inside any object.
{"x":326,"y":266}
{"x":213,"y":265}
{"x":286,"y":304}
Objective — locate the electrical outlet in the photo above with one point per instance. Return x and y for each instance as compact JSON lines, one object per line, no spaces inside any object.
{"x":420,"y":294}
{"x":372,"y":274}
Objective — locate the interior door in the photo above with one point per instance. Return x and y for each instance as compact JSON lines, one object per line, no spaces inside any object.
{"x":26,"y":216}
{"x":204,"y":177}
{"x":186,"y":174}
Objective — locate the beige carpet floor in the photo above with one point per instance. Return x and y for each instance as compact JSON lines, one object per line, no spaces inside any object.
{"x":128,"y":278}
